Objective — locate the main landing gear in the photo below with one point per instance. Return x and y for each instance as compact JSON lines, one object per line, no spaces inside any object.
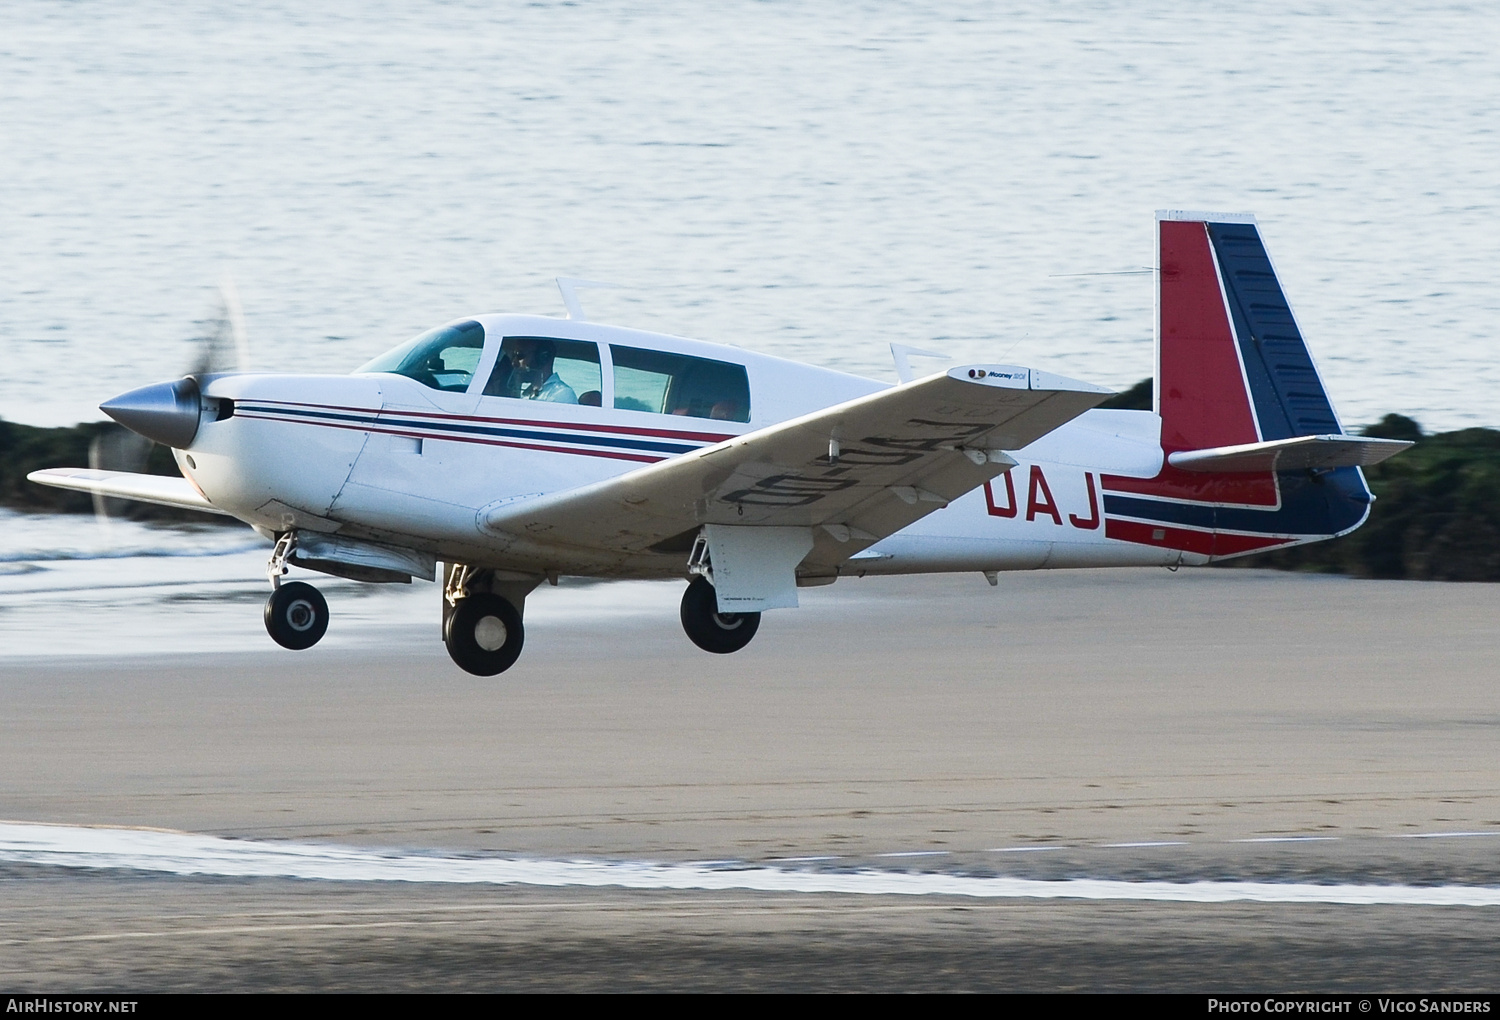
{"x":482,"y":614}
{"x":481,"y":627}
{"x":296,"y":613}
{"x":710,"y":629}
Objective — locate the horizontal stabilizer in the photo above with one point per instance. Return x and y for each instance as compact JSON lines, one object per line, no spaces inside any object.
{"x":1299,"y":454}
{"x":160,"y":489}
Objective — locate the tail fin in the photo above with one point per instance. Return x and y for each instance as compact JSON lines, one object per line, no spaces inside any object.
{"x":1236,"y":390}
{"x":1232,"y":367}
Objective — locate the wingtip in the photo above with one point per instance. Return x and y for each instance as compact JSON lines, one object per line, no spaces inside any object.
{"x":1016,"y":377}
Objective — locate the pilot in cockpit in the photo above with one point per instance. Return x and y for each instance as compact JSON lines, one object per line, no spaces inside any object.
{"x":531,"y":377}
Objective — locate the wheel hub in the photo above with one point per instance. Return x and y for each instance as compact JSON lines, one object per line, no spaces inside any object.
{"x":300,"y":615}
{"x":490,"y":633}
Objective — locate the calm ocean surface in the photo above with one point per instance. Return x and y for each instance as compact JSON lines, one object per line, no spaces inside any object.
{"x":811,"y":180}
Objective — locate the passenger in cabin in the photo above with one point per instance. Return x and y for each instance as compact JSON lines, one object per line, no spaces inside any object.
{"x":532,"y":377}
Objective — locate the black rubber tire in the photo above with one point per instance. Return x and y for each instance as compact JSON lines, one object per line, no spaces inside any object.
{"x":296,"y":616}
{"x":475,"y":625}
{"x":711,"y":630}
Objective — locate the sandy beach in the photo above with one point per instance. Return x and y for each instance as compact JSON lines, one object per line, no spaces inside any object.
{"x":1138,"y":724}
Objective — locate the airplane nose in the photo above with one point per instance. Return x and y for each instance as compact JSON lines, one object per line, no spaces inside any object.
{"x":165,"y":413}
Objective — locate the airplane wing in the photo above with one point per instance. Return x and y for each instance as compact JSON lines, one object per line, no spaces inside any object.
{"x":855,"y":472}
{"x":127,"y":485}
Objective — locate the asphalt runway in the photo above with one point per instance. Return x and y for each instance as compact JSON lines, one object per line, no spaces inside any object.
{"x":1131,"y":725}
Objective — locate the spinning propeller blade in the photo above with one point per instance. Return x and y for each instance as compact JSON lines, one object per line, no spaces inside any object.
{"x":222,"y":348}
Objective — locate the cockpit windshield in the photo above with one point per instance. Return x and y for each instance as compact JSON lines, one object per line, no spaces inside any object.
{"x":444,"y":358}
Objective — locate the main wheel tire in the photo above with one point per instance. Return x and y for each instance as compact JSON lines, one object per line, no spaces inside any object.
{"x":711,"y":630}
{"x":296,"y":616}
{"x":484,"y":634}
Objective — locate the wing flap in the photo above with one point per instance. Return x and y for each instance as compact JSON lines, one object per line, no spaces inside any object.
{"x":857,"y":472}
{"x":160,"y":489}
{"x":1299,"y":454}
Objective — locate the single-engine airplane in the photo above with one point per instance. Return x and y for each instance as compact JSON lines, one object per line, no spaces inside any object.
{"x":516,"y":448}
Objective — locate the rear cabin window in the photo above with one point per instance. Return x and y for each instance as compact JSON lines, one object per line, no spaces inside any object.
{"x":665,"y":383}
{"x":549,"y":369}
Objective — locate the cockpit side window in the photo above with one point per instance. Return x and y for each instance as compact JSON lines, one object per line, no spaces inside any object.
{"x":444,"y":358}
{"x":547,"y":368}
{"x":666,"y":383}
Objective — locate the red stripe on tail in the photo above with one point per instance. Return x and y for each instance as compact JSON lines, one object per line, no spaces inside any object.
{"x":1201,"y":389}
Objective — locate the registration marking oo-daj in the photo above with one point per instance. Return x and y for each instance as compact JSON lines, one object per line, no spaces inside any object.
{"x":189,"y":854}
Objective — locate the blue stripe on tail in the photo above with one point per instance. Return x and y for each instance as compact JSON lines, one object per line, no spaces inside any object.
{"x":1288,"y":395}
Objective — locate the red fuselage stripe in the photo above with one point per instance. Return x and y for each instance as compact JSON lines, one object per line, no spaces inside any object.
{"x":1206,"y":543}
{"x":446,"y":438}
{"x":628,"y":430}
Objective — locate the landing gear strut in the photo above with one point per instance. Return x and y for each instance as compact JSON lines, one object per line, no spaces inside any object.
{"x":710,"y":629}
{"x":296,"y":613}
{"x":483,"y":630}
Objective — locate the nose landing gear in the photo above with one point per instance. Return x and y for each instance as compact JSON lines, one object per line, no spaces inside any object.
{"x":296,"y":613}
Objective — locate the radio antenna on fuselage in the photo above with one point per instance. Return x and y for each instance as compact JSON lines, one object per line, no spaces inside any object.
{"x":570,"y":288}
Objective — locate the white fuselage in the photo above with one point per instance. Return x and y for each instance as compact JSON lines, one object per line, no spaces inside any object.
{"x":383,"y":457}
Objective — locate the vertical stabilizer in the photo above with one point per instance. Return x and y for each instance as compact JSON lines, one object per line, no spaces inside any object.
{"x":1232,"y":366}
{"x":1232,"y":370}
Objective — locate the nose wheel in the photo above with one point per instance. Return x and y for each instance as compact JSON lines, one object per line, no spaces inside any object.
{"x":296,"y":615}
{"x":484,"y":634}
{"x":710,"y":629}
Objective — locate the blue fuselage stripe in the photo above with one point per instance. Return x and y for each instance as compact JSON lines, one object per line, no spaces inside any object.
{"x":458,"y":429}
{"x":1325,"y":504}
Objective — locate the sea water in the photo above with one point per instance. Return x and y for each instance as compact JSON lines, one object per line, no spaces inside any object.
{"x":811,"y":180}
